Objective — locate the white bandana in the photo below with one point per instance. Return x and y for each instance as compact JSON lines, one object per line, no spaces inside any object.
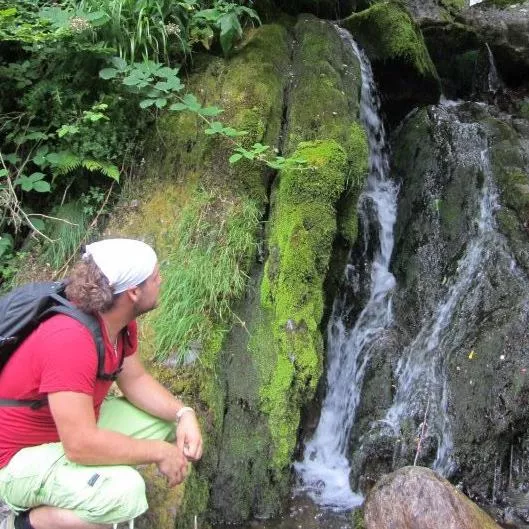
{"x":124,"y":262}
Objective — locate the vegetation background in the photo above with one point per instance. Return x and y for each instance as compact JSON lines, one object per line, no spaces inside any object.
{"x":73,"y":76}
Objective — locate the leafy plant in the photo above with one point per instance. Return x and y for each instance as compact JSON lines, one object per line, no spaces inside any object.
{"x":224,"y":19}
{"x":159,"y":87}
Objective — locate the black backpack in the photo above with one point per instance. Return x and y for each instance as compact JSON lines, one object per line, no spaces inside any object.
{"x":24,"y":308}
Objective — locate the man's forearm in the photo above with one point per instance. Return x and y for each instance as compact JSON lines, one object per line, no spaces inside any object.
{"x":105,"y":447}
{"x":149,"y":395}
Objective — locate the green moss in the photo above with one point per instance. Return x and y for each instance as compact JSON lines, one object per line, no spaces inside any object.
{"x":326,"y":94}
{"x":302,"y":230}
{"x":323,"y":104}
{"x":196,"y":208}
{"x":514,"y":185}
{"x":388,"y":32}
{"x":358,"y":519}
{"x":454,"y":4}
{"x":194,"y":502}
{"x":523,"y":108}
{"x":249,"y":87}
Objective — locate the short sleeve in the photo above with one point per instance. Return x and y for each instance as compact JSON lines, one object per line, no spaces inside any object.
{"x":68,"y":359}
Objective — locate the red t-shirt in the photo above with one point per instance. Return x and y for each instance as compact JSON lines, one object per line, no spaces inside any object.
{"x":60,"y":355}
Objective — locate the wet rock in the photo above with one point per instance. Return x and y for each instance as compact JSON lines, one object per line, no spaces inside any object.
{"x":457,"y":52}
{"x":507,"y":33}
{"x":417,"y":498}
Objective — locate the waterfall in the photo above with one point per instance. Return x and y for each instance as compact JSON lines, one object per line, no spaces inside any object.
{"x":324,"y":471}
{"x":422,"y":380}
{"x":494,"y":81}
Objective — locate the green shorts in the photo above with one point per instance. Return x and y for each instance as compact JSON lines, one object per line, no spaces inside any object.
{"x":41,"y":475}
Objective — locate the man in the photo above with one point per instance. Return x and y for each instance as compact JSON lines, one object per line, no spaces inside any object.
{"x":65,"y":465}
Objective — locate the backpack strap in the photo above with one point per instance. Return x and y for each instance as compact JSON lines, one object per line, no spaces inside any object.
{"x":88,"y":321}
{"x":92,"y":323}
{"x":33,"y":404}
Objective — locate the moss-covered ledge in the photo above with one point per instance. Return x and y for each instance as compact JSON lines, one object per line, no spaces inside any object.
{"x":403,"y":68}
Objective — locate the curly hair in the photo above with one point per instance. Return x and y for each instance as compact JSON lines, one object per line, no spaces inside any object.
{"x":88,"y":288}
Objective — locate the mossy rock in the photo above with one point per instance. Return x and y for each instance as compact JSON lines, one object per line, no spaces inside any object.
{"x":302,"y":229}
{"x":455,"y":50}
{"x":402,"y":65}
{"x":324,"y":104}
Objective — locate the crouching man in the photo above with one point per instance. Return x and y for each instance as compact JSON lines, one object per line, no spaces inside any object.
{"x":68,"y":464}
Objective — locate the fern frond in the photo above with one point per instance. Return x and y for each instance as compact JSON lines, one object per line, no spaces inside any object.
{"x":64,"y":162}
{"x":108,"y":169}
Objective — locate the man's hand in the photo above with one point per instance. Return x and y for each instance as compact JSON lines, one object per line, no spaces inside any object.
{"x":172,"y":464}
{"x":188,"y":437}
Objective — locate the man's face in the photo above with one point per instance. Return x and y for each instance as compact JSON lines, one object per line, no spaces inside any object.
{"x":149,"y":292}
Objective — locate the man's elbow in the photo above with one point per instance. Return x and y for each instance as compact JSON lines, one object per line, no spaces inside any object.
{"x":78,"y":450}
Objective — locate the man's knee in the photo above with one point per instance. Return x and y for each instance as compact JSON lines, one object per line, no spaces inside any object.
{"x":122,"y":498}
{"x":130,"y":492}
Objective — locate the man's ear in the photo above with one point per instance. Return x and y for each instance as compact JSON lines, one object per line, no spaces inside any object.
{"x":133,"y":294}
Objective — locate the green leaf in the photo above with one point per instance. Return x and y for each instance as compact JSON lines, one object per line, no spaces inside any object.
{"x":235,"y":158}
{"x":167,"y":73}
{"x":172,"y":84}
{"x":108,"y":73}
{"x":4,"y":172}
{"x":13,"y":158}
{"x":119,"y":63}
{"x":191,"y":102}
{"x":147,"y":103}
{"x":132,"y":80}
{"x":259,"y":148}
{"x":160,"y":102}
{"x":210,"y":111}
{"x":34,"y":177}
{"x":211,"y":15}
{"x":6,"y":243}
{"x":230,"y":31}
{"x":178,"y":106}
{"x":41,"y":186}
{"x":67,"y":129}
{"x":26,"y":184}
{"x":233,"y":133}
{"x":215,"y":128}
{"x":97,"y":18}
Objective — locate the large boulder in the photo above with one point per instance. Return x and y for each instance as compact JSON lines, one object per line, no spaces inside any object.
{"x":417,"y":498}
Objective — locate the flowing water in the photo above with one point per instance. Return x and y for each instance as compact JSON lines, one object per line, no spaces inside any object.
{"x":324,"y":471}
{"x":493,"y":78}
{"x":422,"y":381}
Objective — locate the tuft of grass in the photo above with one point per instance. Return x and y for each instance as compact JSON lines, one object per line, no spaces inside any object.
{"x":205,"y":273}
{"x":66,"y":236}
{"x":139,"y":28}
